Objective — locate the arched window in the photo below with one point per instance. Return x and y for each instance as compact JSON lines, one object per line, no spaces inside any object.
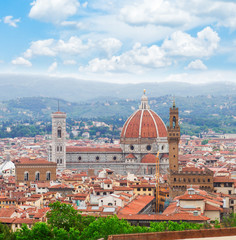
{"x":37,"y":176}
{"x":48,"y":176}
{"x":59,"y":132}
{"x":57,"y":161}
{"x":58,"y":148}
{"x":174,"y":122}
{"x":60,"y":161}
{"x":26,"y":176}
{"x":61,"y":148}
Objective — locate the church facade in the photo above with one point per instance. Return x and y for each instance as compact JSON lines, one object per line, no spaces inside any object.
{"x":143,"y":135}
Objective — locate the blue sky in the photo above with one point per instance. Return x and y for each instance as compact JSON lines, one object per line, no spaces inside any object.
{"x":120,"y":41}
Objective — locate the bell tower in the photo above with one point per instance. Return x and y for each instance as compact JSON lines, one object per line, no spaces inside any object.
{"x":59,"y":139}
{"x":173,"y":137}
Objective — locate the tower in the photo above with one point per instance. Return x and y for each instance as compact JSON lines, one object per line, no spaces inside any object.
{"x":59,"y":139}
{"x":173,"y":137}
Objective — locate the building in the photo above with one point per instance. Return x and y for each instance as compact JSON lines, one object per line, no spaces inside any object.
{"x":58,"y":147}
{"x":143,"y":135}
{"x":35,"y":170}
{"x":180,"y":179}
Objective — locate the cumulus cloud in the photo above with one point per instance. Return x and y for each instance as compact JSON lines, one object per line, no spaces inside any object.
{"x":183,"y":44}
{"x":197,"y":65}
{"x":21,"y":61}
{"x":54,"y":11}
{"x":110,"y":45}
{"x":11,"y":21}
{"x":52,"y":67}
{"x":154,"y":12}
{"x":137,"y":59}
{"x":74,"y":46}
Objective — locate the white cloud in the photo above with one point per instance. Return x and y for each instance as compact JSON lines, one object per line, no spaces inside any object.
{"x":183,"y":44}
{"x":21,"y":61}
{"x":51,"y":47}
{"x":110,"y":45}
{"x":53,"y":11}
{"x":69,"y":62}
{"x":197,"y":65}
{"x":73,"y":46}
{"x":41,"y":48}
{"x":137,"y":60}
{"x":154,"y":12}
{"x":52,"y":67}
{"x":74,"y":24}
{"x":12,"y":22}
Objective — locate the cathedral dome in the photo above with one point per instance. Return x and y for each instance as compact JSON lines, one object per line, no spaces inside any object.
{"x":144,"y":123}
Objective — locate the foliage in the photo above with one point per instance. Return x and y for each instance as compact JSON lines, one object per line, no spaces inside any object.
{"x":204,"y":142}
{"x":103,"y":227}
{"x":5,"y":233}
{"x":216,"y":224}
{"x":64,"y":216}
{"x":229,"y":221}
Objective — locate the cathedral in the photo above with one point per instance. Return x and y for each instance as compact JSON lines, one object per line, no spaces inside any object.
{"x":143,"y":135}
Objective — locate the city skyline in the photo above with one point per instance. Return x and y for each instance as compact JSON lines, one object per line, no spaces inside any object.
{"x":120,"y":41}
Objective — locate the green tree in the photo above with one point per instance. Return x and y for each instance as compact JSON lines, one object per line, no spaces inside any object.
{"x":5,"y":232}
{"x":103,"y":227}
{"x":64,"y":216}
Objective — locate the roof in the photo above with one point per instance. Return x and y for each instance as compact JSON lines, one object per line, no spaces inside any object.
{"x":191,"y":197}
{"x":149,"y":158}
{"x":130,"y":156}
{"x":209,"y":207}
{"x":136,"y":205}
{"x":37,"y":161}
{"x":92,"y":149}
{"x":144,"y":123}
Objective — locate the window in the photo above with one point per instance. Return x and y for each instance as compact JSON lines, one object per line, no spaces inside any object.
{"x":230,"y":191}
{"x":97,"y":158}
{"x":59,"y":132}
{"x":174,"y":179}
{"x":138,"y":189}
{"x":149,"y":189}
{"x":162,"y":148}
{"x":79,"y":158}
{"x":131,"y":147}
{"x":48,"y":176}
{"x":60,"y":161}
{"x":193,"y":179}
{"x":208,"y":180}
{"x":148,"y":147}
{"x":114,"y":158}
{"x":58,"y":148}
{"x":26,"y":176}
{"x":198,"y":180}
{"x":37,"y":176}
{"x":144,"y":189}
{"x":61,"y":148}
{"x":57,"y":161}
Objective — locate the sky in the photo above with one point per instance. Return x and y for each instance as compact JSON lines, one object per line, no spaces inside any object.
{"x":120,"y":41}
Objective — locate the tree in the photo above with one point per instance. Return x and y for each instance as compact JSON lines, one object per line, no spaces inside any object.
{"x":5,"y":232}
{"x":64,"y":216}
{"x":103,"y":227}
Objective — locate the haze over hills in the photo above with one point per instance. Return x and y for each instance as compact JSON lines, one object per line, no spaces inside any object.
{"x":75,"y":90}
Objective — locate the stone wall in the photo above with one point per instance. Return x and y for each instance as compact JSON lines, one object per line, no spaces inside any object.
{"x":176,"y":234}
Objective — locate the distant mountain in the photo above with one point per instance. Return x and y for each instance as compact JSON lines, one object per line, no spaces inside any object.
{"x":75,"y":90}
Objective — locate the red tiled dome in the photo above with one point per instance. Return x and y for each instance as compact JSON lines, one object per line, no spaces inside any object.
{"x":144,"y":123}
{"x":149,"y":158}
